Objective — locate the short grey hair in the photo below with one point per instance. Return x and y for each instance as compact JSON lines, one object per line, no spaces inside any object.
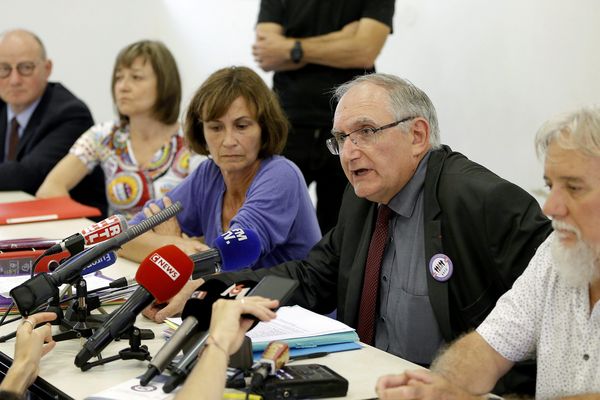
{"x":577,"y":130}
{"x":405,"y":100}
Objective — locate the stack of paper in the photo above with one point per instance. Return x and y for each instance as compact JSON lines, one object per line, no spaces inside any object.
{"x":304,"y":331}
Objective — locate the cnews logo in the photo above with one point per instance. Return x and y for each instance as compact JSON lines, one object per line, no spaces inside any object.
{"x":165,"y":266}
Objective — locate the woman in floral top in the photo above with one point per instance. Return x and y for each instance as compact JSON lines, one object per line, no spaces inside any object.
{"x":143,"y":154}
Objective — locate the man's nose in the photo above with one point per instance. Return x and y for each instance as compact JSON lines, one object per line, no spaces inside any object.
{"x":14,"y":77}
{"x":554,"y":206}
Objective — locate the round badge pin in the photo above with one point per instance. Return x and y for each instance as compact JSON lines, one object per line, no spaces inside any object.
{"x":440,"y":267}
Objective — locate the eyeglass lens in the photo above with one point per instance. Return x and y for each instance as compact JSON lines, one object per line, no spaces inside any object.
{"x":23,"y":68}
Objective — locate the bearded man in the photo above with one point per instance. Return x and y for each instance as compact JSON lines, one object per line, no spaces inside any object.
{"x":552,"y":312}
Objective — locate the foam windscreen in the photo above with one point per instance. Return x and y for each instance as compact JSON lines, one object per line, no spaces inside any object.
{"x":239,"y":248}
{"x":164,"y":272}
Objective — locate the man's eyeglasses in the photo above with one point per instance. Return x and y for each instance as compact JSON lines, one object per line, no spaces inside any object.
{"x":24,"y":68}
{"x":363,"y":137}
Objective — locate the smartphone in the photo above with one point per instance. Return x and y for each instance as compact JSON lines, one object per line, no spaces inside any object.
{"x":274,"y":287}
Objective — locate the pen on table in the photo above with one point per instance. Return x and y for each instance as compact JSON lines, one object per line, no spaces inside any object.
{"x":240,"y":396}
{"x":309,"y":356}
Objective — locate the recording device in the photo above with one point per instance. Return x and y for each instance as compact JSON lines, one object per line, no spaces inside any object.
{"x":99,"y":232}
{"x":308,"y":381}
{"x":273,"y":287}
{"x":161,"y":275}
{"x":42,"y":287}
{"x":235,"y":249}
{"x":196,"y":316}
{"x":273,"y":358}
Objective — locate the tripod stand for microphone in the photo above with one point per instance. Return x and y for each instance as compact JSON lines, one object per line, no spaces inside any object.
{"x":78,"y":321}
{"x":135,"y":351}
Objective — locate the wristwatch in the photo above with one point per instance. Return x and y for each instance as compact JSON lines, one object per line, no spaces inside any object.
{"x":296,"y":53}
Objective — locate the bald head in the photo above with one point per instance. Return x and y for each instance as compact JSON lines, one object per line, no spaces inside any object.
{"x":25,"y":68}
{"x":25,"y":38}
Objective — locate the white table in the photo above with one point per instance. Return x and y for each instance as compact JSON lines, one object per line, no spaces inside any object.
{"x":360,"y":367}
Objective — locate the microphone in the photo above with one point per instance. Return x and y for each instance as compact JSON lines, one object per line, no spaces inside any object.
{"x":105,"y":261}
{"x":42,"y":287}
{"x":196,"y":316}
{"x":94,"y":234}
{"x":235,"y":249}
{"x":161,"y":275}
{"x":274,"y":357}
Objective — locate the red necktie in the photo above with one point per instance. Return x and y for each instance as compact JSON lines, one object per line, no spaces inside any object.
{"x":13,"y":140}
{"x":368,"y":302}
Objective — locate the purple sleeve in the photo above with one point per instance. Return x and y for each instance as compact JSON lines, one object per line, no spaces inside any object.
{"x":272,"y":204}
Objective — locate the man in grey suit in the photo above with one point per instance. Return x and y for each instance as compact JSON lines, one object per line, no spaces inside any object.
{"x":39,"y":120}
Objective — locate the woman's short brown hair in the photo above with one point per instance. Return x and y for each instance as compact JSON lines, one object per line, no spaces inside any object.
{"x":219,"y":91}
{"x":168,"y":82}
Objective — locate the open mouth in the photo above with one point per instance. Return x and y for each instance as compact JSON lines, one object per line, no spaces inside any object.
{"x":360,"y":172}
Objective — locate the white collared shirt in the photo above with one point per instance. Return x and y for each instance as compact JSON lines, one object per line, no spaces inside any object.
{"x":543,"y":317}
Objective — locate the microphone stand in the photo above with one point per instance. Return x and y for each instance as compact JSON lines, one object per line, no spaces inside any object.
{"x":75,"y":321}
{"x":135,"y":351}
{"x":78,"y":321}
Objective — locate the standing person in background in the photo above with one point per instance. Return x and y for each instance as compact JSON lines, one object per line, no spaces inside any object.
{"x":39,"y":120}
{"x":237,"y":121}
{"x":143,"y":154}
{"x":314,"y":46}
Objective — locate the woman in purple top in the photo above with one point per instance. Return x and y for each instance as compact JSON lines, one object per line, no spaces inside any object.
{"x":236,"y":120}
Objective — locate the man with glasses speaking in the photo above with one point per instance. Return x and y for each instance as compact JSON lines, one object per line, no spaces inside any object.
{"x":426,"y":240}
{"x":39,"y":120}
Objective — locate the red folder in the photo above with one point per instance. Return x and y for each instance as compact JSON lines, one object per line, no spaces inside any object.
{"x":37,"y":210}
{"x":20,"y":262}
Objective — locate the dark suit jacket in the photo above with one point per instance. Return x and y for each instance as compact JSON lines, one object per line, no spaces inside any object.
{"x":489,"y":228}
{"x":57,"y":122}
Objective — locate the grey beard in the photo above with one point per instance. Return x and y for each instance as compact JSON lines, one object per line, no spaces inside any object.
{"x":577,"y":265}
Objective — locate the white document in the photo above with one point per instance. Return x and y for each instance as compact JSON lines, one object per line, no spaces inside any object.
{"x":296,"y":322}
{"x":7,"y":283}
{"x":132,"y":390}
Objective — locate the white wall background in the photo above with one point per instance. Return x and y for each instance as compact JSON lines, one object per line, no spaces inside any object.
{"x":494,"y":69}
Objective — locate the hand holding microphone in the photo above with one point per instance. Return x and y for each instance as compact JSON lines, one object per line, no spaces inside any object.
{"x":234,"y":249}
{"x":170,"y":227}
{"x":193,"y":331}
{"x":227,"y":325}
{"x":226,"y":332}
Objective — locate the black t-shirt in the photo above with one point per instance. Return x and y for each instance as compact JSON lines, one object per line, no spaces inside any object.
{"x":306,"y":93}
